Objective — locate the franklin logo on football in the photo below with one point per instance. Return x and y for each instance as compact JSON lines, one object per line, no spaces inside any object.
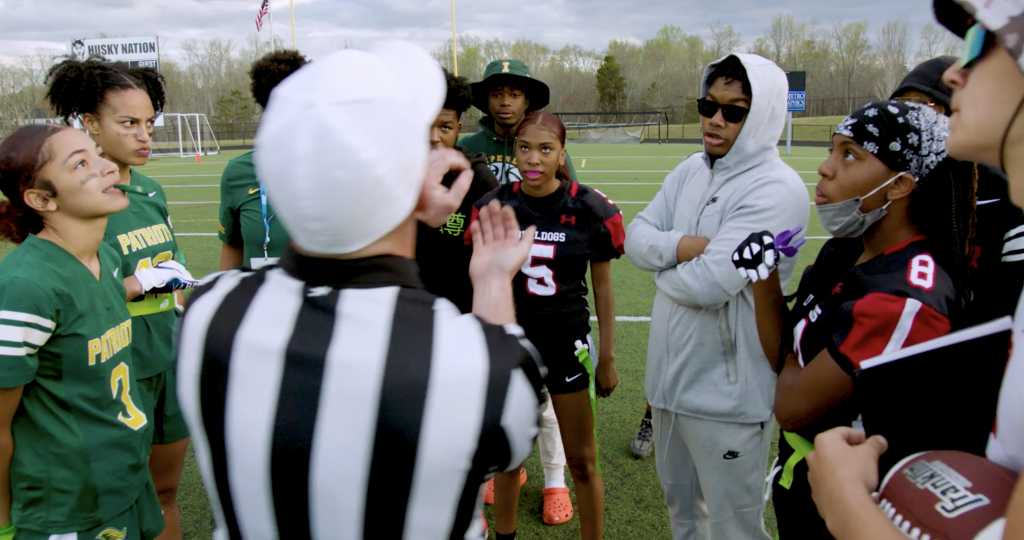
{"x":950,"y":487}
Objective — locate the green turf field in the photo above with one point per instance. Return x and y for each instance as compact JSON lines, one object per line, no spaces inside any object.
{"x":628,"y":174}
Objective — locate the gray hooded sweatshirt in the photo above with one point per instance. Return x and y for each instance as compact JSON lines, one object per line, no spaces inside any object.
{"x":704,"y":357}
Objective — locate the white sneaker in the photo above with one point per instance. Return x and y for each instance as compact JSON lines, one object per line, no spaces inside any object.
{"x":643,"y":443}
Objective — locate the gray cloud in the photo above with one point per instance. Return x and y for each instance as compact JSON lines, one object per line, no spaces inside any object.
{"x":325,"y":25}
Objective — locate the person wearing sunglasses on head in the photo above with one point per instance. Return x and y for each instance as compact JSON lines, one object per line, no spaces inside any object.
{"x":997,"y":250}
{"x":710,"y":386}
{"x":986,"y":126}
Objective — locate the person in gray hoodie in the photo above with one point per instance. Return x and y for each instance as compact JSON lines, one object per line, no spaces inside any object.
{"x":709,"y":384}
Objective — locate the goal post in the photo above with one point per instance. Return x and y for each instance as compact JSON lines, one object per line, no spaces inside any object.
{"x":625,"y":127}
{"x":184,"y":135}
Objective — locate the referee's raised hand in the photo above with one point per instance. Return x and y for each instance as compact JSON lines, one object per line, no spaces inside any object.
{"x":437,"y":203}
{"x":499,"y":248}
{"x":499,"y":251}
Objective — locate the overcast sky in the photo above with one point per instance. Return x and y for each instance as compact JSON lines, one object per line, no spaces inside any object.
{"x":325,"y":25}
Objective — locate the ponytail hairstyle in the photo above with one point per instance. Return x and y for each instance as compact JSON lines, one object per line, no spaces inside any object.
{"x":553,"y":124}
{"x":77,"y":88}
{"x":22,"y":156}
{"x":943,"y":207}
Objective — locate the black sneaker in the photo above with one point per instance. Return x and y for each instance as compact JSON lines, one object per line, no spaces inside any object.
{"x":643,"y":443}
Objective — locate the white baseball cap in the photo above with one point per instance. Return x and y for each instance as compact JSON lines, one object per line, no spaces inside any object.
{"x":343,"y":145}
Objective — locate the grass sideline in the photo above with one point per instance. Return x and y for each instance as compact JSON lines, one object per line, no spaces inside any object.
{"x":630,"y":175}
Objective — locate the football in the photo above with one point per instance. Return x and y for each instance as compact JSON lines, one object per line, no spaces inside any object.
{"x":947,"y":495}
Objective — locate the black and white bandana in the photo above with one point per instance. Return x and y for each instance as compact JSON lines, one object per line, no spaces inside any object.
{"x":906,"y":136}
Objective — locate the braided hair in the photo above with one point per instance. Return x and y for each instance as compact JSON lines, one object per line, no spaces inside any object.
{"x":943,"y":207}
{"x":77,"y":87}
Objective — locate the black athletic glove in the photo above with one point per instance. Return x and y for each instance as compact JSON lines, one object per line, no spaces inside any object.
{"x":755,"y":258}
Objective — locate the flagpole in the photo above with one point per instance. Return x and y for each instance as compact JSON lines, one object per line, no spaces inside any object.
{"x":291,"y":7}
{"x":270,"y":11}
{"x":455,"y":46}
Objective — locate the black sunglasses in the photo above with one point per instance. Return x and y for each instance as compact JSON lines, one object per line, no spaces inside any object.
{"x":731,"y":113}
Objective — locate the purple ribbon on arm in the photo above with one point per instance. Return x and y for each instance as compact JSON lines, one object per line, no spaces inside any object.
{"x":784,"y":238}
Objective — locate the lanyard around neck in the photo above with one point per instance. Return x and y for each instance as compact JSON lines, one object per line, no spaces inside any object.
{"x":266,"y":220}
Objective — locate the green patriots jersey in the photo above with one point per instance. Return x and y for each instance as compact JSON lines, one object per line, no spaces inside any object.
{"x":81,"y":446}
{"x":241,"y":215}
{"x":142,"y":235}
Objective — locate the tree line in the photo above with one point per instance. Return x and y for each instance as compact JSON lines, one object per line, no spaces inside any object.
{"x":847,"y":63}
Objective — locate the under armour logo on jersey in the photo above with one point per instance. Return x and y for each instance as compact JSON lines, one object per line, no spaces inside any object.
{"x":316,"y":292}
{"x":571,"y":220}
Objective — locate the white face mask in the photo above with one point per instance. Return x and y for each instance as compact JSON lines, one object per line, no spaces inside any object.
{"x":845,"y":220}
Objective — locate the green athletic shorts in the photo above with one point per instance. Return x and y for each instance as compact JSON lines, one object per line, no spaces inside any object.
{"x":160,"y":403}
{"x":141,"y":521}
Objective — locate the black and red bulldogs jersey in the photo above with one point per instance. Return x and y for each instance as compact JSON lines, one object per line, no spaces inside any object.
{"x":857,"y":312}
{"x":895,"y":300}
{"x":576,"y":225}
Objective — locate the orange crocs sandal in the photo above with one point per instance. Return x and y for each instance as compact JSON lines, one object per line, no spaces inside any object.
{"x":557,"y":506}
{"x":489,"y":487}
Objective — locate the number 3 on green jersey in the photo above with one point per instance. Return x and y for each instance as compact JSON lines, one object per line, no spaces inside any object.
{"x":135,"y":419}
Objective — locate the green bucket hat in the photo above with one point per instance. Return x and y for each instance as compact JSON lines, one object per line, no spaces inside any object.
{"x":510,"y":72}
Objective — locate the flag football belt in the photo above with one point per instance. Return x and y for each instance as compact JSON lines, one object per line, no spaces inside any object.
{"x":588,"y":364}
{"x":801,"y":447}
{"x":153,"y":303}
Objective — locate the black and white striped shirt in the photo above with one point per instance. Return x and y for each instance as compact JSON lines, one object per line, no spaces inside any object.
{"x":338,"y":400}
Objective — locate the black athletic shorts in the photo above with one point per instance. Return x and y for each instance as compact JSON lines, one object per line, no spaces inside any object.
{"x":556,"y":344}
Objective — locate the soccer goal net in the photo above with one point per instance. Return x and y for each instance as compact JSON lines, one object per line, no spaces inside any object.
{"x":614,"y":127}
{"x":183,"y":135}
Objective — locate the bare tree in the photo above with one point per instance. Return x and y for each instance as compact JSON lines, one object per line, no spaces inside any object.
{"x":852,"y":48}
{"x":951,"y":43}
{"x":845,"y":67}
{"x":892,"y":49}
{"x":931,"y":42}
{"x":724,"y":40}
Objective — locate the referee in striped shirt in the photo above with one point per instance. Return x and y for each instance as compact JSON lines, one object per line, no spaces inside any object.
{"x":332,"y":397}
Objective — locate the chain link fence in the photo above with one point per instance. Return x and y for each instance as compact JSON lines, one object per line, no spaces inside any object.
{"x":683,"y":120}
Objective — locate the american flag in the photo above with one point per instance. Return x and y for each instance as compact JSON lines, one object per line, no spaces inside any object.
{"x":264,"y":9}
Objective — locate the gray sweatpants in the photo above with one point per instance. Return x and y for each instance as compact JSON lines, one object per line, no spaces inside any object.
{"x":712,"y":474}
